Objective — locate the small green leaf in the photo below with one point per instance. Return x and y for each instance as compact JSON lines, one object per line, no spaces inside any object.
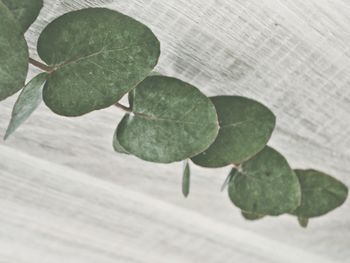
{"x":303,"y":222}
{"x":117,"y":147}
{"x":265,"y":185}
{"x":27,"y":101}
{"x":98,"y":55}
{"x":170,"y":121}
{"x":251,"y":216}
{"x":186,"y":179}
{"x":228,"y":179}
{"x":321,"y":193}
{"x":25,"y":11}
{"x":245,"y":128}
{"x":13,"y":54}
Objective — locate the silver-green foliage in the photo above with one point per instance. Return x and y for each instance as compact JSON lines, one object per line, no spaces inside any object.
{"x":13,"y":54}
{"x":95,"y":56}
{"x":24,"y":11}
{"x":170,"y":121}
{"x":265,"y":185}
{"x":186,"y":179}
{"x":320,"y":194}
{"x":27,"y":101}
{"x":245,"y":128}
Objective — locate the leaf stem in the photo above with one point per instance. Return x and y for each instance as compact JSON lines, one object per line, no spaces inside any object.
{"x":121,"y":106}
{"x":40,"y":65}
{"x":236,"y":165}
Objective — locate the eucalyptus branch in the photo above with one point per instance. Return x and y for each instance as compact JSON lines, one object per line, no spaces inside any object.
{"x":179,"y":121}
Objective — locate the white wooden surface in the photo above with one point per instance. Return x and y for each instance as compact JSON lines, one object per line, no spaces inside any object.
{"x":66,"y":197}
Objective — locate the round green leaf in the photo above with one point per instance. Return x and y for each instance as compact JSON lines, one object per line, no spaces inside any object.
{"x":13,"y":54}
{"x":245,"y":128}
{"x":265,"y":185}
{"x":320,"y":193}
{"x":170,"y":121}
{"x":25,"y":11}
{"x":97,"y":56}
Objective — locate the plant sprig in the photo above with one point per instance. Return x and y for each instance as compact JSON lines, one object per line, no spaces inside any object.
{"x":92,"y":57}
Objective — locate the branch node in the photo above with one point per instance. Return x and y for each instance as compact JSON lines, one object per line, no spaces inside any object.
{"x":40,"y":65}
{"x":121,"y":106}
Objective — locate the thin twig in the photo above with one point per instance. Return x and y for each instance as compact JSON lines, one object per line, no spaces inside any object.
{"x":40,"y":65}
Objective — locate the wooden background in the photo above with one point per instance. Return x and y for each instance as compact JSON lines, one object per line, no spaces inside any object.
{"x":65,"y":196}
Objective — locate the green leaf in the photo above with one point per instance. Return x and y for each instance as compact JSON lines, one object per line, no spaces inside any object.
{"x":98,"y":55}
{"x":117,"y":147}
{"x":245,"y":128}
{"x":27,"y":101}
{"x":170,"y":121}
{"x":186,"y":179}
{"x":321,"y":193}
{"x":251,"y":216}
{"x":13,"y":54}
{"x":228,"y":179}
{"x":25,"y":11}
{"x":265,"y":185}
{"x":303,"y":222}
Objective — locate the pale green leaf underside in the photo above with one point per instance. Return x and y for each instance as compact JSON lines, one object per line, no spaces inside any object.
{"x":27,"y":101}
{"x":171,"y":121}
{"x":25,"y":11}
{"x":117,"y":147}
{"x":98,"y":55}
{"x":186,"y":176}
{"x":321,"y":193}
{"x":13,"y":54}
{"x":245,"y":128}
{"x":265,"y":185}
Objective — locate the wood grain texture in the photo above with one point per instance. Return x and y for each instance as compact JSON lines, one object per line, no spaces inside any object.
{"x":55,"y":214}
{"x":66,"y":196}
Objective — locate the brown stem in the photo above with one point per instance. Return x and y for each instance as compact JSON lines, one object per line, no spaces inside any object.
{"x":40,"y":65}
{"x":121,"y":106}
